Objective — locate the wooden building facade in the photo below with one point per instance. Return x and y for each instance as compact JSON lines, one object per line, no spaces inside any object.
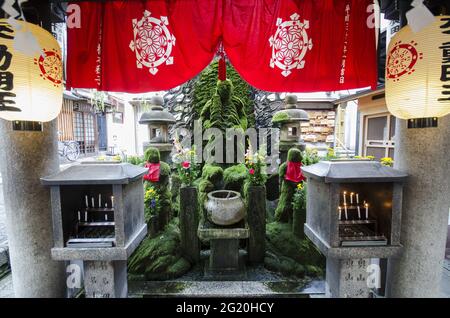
{"x":78,"y":121}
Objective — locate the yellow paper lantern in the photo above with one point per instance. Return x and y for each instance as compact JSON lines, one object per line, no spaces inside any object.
{"x":418,"y":71}
{"x":31,"y":70}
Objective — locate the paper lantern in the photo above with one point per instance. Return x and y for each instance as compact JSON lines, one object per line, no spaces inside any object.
{"x":418,"y":71}
{"x":31,"y":70}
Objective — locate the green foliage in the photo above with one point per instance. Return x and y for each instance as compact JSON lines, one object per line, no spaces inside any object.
{"x":152,"y":155}
{"x":205,"y":88}
{"x":159,"y":258}
{"x":234,"y":177}
{"x":213,"y":174}
{"x":388,"y":162}
{"x":331,"y":154}
{"x":310,"y":157}
{"x":299,"y":202}
{"x":175,"y":186}
{"x":136,"y":160}
{"x":294,"y":155}
{"x":280,"y":117}
{"x":290,"y":255}
{"x":152,"y":203}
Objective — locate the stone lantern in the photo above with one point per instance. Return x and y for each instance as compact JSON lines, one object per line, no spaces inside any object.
{"x":158,"y":121}
{"x":289,"y":121}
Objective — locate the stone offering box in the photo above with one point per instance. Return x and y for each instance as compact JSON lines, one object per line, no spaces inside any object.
{"x":98,"y":211}
{"x":364,"y":224}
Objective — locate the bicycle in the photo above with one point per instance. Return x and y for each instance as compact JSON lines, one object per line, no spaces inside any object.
{"x":69,"y":149}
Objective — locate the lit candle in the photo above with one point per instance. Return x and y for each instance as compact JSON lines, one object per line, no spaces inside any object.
{"x":99,"y":200}
{"x":357,"y":198}
{"x":87,"y":202}
{"x":346,"y":214}
{"x":93,"y":202}
{"x":351,"y":197}
{"x":367,"y":211}
{"x":85,"y":216}
{"x":359,"y":212}
{"x":345,"y":200}
{"x":112,"y":201}
{"x":340,"y":213}
{"x":79,"y":215}
{"x":106,"y":216}
{"x":106,"y":205}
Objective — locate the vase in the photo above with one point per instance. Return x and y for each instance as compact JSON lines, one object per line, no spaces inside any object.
{"x":225,"y":207}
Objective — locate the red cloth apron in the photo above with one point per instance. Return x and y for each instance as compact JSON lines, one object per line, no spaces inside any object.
{"x":153,"y":172}
{"x":294,"y":172}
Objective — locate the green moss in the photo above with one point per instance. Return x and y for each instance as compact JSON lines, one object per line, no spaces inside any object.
{"x":152,"y":155}
{"x":284,"y":210}
{"x":290,"y":255}
{"x":280,"y":117}
{"x":294,"y":155}
{"x":214,"y":174}
{"x":234,"y":177}
{"x":159,"y":258}
{"x":206,"y":85}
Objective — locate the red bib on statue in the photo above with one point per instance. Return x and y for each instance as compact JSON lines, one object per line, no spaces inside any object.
{"x":294,"y":172}
{"x":153,"y":172}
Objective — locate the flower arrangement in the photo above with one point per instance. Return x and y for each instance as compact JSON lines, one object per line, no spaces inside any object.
{"x":256,"y":166}
{"x":388,"y":162}
{"x":299,"y":200}
{"x":185,"y":161}
{"x":152,"y":201}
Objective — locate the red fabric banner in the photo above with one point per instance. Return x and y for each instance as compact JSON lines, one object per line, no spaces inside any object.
{"x":301,"y":46}
{"x":275,"y":45}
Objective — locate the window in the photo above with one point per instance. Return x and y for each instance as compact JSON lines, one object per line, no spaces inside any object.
{"x":84,"y":131}
{"x":379,"y":136}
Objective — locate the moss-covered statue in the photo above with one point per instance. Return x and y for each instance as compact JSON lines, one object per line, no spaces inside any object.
{"x":159,"y":257}
{"x":224,"y":109}
{"x":290,"y":176}
{"x":158,"y":197}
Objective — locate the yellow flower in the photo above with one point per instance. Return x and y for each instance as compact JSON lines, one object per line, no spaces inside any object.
{"x":300,"y":186}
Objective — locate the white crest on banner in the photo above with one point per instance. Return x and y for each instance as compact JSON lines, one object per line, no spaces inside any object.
{"x":153,"y":43}
{"x":290,"y":44}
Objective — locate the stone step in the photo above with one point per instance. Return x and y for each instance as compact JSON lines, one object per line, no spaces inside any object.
{"x":235,"y":289}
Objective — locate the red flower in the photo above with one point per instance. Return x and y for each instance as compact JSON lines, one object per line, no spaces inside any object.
{"x":251,"y":171}
{"x":186,"y":164}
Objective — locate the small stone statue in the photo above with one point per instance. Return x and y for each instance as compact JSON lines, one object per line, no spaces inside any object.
{"x":158,"y":178}
{"x":290,"y":176}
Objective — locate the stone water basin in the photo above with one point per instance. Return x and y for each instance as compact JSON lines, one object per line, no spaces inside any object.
{"x":225,"y":207}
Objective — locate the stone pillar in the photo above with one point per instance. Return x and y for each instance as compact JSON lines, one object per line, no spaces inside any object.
{"x":224,"y":255}
{"x":27,"y":156}
{"x":256,"y":218}
{"x":423,"y":154}
{"x":190,"y":244}
{"x":105,"y":279}
{"x":347,"y":278}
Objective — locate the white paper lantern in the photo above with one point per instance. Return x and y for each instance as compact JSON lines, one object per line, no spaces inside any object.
{"x":31,"y":70}
{"x":418,"y":71}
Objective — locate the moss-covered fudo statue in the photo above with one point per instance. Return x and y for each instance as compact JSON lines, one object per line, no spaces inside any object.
{"x":224,"y":109}
{"x":290,"y":176}
{"x":158,"y":178}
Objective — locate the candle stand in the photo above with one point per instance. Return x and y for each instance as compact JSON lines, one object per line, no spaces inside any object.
{"x":98,"y":217}
{"x":353,"y":217}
